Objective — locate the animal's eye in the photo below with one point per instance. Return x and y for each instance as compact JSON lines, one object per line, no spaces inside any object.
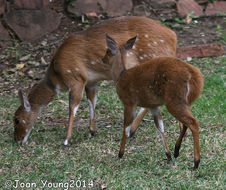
{"x":16,"y":121}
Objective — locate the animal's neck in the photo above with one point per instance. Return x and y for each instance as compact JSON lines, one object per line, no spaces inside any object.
{"x":41,"y":94}
{"x":118,"y":68}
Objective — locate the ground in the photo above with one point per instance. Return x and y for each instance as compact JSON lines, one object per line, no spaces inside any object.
{"x":93,"y":162}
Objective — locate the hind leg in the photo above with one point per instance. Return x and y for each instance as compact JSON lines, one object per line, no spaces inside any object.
{"x":183,"y":114}
{"x":179,"y":140}
{"x":75,"y":96}
{"x":92,"y":98}
{"x":159,"y":124}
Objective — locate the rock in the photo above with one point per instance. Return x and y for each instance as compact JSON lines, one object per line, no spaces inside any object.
{"x":141,"y":10}
{"x":4,"y":36}
{"x":185,"y":7}
{"x":2,"y":6}
{"x":112,"y":7}
{"x":30,"y":4}
{"x":201,"y":1}
{"x":137,"y":2}
{"x":158,"y":4}
{"x":93,"y":14}
{"x":30,"y":25}
{"x":201,"y":51}
{"x":218,"y":7}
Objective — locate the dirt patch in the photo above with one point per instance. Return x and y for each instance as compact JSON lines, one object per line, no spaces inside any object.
{"x":18,"y":66}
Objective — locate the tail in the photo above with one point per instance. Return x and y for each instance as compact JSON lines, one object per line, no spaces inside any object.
{"x":195,"y":85}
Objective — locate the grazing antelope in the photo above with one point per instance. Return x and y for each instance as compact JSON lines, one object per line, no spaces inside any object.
{"x":161,"y":81}
{"x":77,"y":66}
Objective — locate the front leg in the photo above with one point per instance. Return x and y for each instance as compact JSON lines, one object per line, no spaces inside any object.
{"x":92,"y":98}
{"x":129,"y":113}
{"x":137,"y":120}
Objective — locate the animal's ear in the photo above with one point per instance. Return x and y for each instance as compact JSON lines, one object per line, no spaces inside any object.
{"x":129,"y":44}
{"x":112,"y":45}
{"x":24,"y":101}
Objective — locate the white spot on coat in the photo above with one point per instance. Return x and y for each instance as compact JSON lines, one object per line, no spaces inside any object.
{"x":145,"y":55}
{"x":149,"y":44}
{"x":162,"y":41}
{"x":146,"y":36}
{"x":76,"y":68}
{"x":128,"y":129}
{"x":134,"y":47}
{"x":69,"y":71}
{"x":24,"y":122}
{"x":141,"y":58}
{"x":156,"y":43}
{"x":93,"y":62}
{"x":140,"y":49}
{"x":131,"y":53}
{"x":188,"y":90}
{"x":75,"y":109}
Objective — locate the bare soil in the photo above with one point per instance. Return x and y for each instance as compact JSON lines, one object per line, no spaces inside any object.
{"x":30,"y":60}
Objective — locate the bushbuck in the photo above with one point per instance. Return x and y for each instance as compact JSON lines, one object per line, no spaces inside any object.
{"x":78,"y":65}
{"x":160,"y":81}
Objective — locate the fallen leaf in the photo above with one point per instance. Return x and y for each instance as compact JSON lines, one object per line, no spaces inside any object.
{"x":43,"y":61}
{"x":25,"y":58}
{"x":44,"y":43}
{"x":61,"y":101}
{"x":188,"y":19}
{"x":19,"y":66}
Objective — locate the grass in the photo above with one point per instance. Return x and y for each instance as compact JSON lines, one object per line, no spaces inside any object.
{"x":92,"y":163}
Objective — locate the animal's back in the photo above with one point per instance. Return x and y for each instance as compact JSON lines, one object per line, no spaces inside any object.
{"x":154,"y":39}
{"x":161,"y":79}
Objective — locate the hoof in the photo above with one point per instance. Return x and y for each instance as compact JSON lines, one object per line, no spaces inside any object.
{"x":131,"y":134}
{"x":176,"y":151}
{"x":92,"y":133}
{"x":120,"y":155}
{"x":169,"y":158}
{"x":196,"y":164}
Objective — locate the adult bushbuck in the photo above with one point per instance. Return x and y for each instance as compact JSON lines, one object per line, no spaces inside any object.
{"x":77,"y":66}
{"x":161,"y":81}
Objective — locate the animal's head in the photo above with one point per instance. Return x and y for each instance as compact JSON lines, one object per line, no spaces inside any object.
{"x":116,"y":55}
{"x":23,"y":119}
